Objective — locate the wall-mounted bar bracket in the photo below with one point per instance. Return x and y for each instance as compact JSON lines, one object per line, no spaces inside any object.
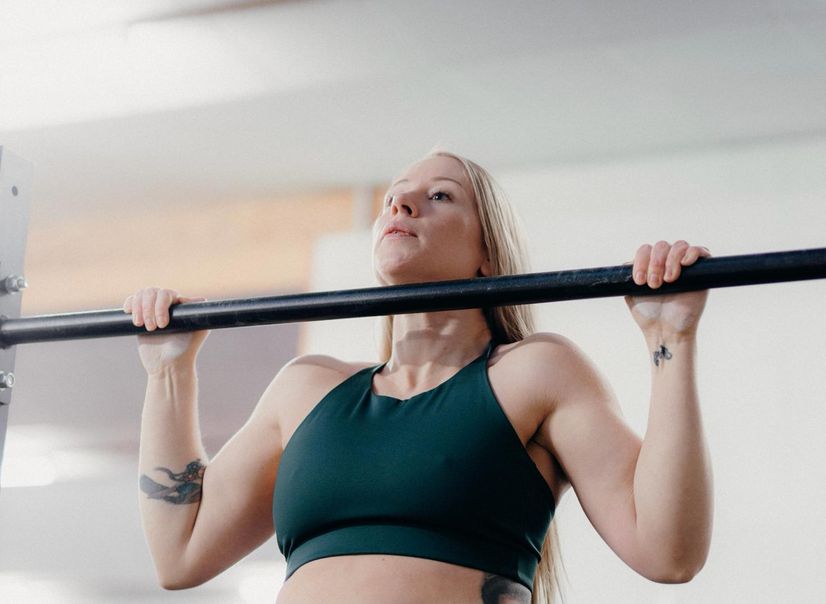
{"x":15,"y":196}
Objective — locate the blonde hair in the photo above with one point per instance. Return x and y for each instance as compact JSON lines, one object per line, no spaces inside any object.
{"x":504,"y":241}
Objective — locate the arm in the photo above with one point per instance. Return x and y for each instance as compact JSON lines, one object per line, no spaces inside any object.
{"x":201,"y":526}
{"x":200,"y":517}
{"x":650,"y":499}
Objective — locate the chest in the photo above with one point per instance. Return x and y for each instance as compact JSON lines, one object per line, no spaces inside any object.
{"x":512,"y":391}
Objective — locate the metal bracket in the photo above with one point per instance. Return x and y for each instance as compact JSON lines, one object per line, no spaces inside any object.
{"x":15,"y":196}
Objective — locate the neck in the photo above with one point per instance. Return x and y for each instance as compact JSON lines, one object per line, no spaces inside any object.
{"x":448,"y":338}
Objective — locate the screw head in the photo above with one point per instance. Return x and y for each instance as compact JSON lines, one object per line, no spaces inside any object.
{"x":14,"y":283}
{"x":6,"y":380}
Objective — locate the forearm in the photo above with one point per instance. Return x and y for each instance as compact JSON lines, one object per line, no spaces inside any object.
{"x":170,"y":439}
{"x":673,"y":477}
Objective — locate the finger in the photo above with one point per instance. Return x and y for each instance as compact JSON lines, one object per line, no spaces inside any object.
{"x":148,"y":307}
{"x":641,"y":259}
{"x":656,"y":266}
{"x":136,"y":308}
{"x":163,"y":301}
{"x":672,"y":262}
{"x":127,"y":305}
{"x":693,"y":253}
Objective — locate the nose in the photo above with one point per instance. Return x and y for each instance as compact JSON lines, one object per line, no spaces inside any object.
{"x":403,"y":202}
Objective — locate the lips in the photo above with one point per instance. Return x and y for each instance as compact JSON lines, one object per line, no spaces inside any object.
{"x":397,"y":228}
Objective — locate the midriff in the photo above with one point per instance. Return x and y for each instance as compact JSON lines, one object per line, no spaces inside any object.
{"x":391,"y":579}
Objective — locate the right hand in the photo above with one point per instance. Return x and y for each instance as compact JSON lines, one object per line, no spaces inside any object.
{"x":150,"y":307}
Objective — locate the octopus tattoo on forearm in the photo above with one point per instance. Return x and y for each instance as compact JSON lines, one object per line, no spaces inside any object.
{"x":187,"y":489}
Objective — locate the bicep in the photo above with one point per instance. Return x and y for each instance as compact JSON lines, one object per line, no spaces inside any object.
{"x":596,"y":448}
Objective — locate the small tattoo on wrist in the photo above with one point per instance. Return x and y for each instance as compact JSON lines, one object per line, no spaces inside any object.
{"x":662,"y":353}
{"x":187,"y":489}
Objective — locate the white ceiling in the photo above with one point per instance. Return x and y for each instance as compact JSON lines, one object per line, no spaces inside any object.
{"x":160,"y":101}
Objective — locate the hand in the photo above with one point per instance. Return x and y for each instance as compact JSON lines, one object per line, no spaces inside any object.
{"x":150,"y":306}
{"x":669,"y":314}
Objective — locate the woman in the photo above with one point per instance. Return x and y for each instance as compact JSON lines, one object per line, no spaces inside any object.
{"x":405,"y":481}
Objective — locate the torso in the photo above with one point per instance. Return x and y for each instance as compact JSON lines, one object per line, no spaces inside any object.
{"x":390,"y":579}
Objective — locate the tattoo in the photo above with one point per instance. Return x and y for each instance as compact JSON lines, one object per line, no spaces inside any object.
{"x":188,"y":489}
{"x":662,"y":353}
{"x":500,"y":590}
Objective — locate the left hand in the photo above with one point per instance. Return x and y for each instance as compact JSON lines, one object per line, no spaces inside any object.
{"x":669,"y":314}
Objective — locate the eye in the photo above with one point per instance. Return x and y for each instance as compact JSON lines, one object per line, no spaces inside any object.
{"x":440,"y":195}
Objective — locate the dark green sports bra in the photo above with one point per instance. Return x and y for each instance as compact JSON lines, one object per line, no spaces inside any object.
{"x":441,"y":475}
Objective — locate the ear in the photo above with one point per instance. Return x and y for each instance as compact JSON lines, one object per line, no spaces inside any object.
{"x":484,"y":270}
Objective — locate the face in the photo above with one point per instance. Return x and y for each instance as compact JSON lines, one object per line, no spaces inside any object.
{"x":433,"y":200}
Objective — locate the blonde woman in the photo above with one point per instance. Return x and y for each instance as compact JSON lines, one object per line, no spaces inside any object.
{"x":433,"y":476}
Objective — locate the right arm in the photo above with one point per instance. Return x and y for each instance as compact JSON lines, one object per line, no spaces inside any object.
{"x":201,"y":516}
{"x":197,"y":527}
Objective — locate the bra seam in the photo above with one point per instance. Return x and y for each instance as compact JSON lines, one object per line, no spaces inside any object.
{"x":483,"y":357}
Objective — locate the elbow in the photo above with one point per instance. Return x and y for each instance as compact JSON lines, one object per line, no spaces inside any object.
{"x":673,"y":577}
{"x":676,"y":573}
{"x":177,"y":578}
{"x":176,"y":583}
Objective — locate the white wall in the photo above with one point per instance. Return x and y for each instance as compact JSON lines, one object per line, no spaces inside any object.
{"x":761,"y":349}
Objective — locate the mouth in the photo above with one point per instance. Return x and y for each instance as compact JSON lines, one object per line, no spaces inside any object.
{"x":396,"y":232}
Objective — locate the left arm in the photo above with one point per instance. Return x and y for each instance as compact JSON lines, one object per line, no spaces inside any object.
{"x":650,"y":500}
{"x":673,"y":477}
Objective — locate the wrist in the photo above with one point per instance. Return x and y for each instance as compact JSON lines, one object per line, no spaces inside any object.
{"x":657,"y":337}
{"x":663,"y":347}
{"x":183,"y":369}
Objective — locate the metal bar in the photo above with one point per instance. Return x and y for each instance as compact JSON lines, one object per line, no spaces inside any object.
{"x":724,"y":271}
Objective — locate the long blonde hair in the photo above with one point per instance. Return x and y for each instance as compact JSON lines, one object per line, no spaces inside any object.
{"x":505,"y":243}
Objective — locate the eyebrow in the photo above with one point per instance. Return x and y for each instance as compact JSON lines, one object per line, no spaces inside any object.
{"x":440,"y":178}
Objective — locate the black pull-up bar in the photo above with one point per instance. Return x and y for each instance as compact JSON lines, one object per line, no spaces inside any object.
{"x":724,"y":271}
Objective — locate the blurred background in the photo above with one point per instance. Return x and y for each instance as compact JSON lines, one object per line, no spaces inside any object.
{"x":240,"y":148}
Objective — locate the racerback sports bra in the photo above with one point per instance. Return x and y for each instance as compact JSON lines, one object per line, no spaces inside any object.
{"x":441,"y":475}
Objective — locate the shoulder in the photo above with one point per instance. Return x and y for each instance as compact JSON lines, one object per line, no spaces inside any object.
{"x":538,"y":349}
{"x":322,"y":363}
{"x":311,"y":370}
{"x":307,"y":376}
{"x":550,"y":364}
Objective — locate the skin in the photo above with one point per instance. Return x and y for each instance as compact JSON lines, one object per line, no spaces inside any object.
{"x":650,"y":499}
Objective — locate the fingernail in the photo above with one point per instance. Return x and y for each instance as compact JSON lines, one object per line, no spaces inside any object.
{"x":668,"y":274}
{"x":639,"y":277}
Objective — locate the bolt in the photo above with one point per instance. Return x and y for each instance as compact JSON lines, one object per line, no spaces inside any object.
{"x":6,"y":380}
{"x":13,"y":284}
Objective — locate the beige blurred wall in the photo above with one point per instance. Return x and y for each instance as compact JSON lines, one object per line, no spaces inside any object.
{"x":232,"y":249}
